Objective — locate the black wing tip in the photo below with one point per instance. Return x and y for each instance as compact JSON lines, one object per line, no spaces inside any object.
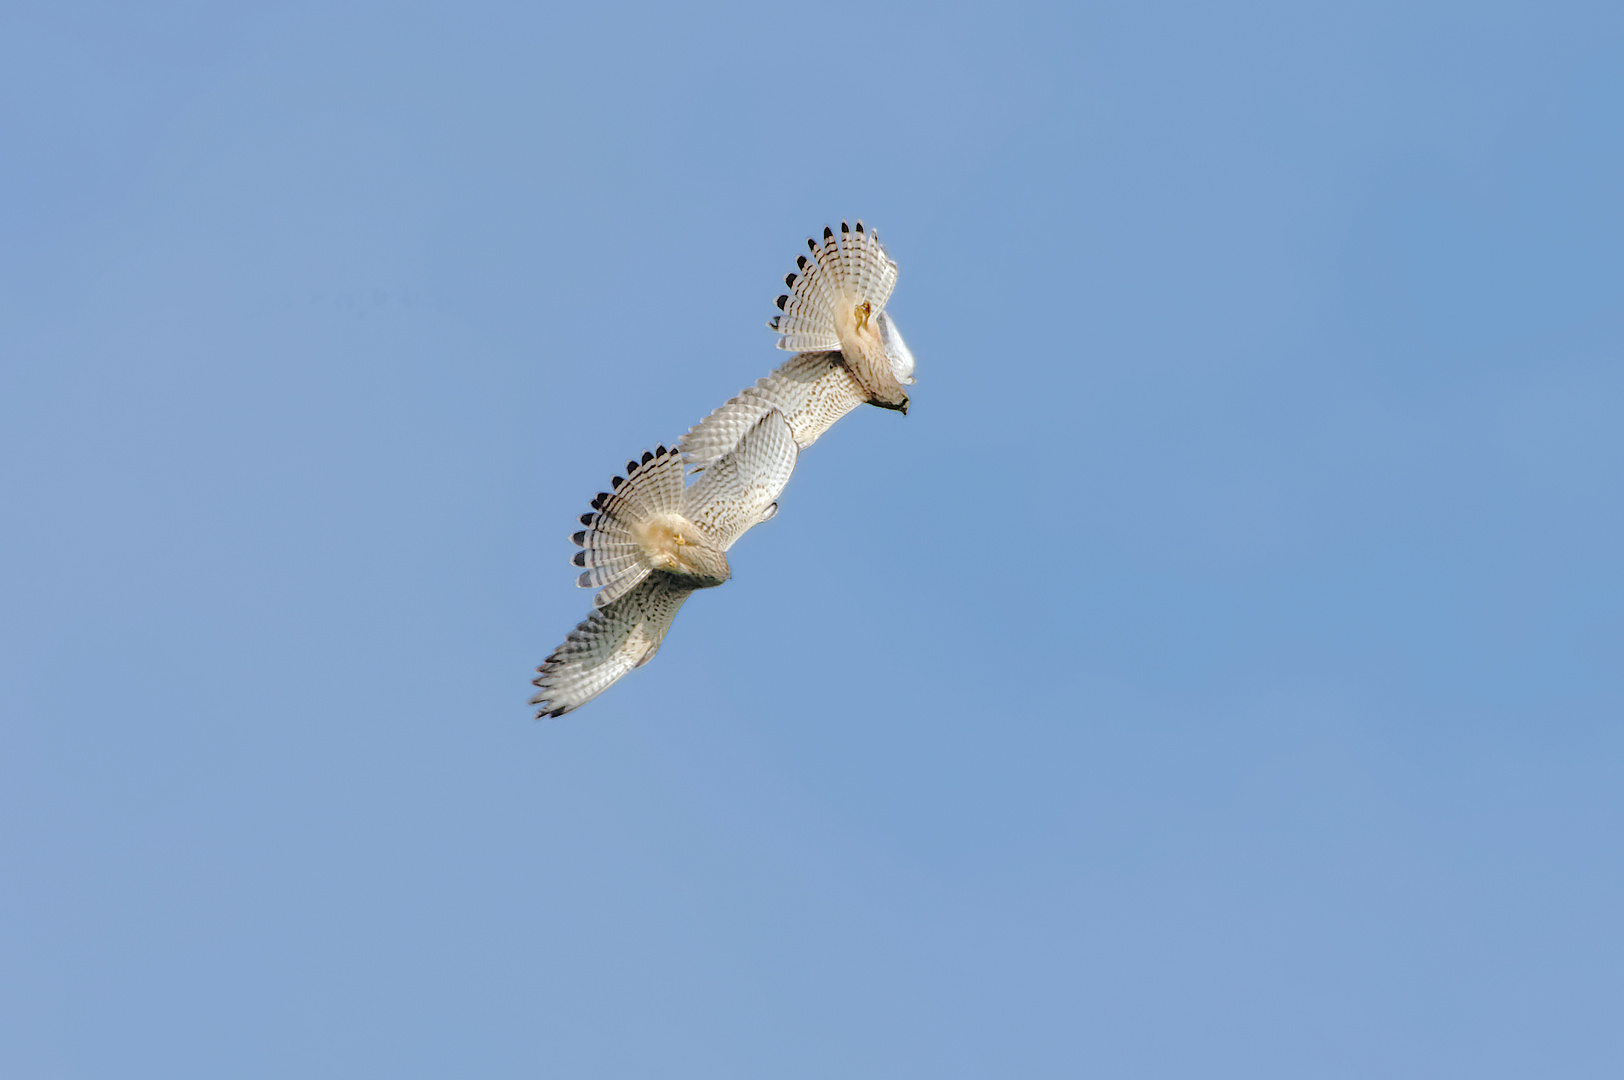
{"x":648,"y":457}
{"x":800,"y":262}
{"x":579,"y":558}
{"x":828,"y":233}
{"x":781,"y":301}
{"x":616,"y":481}
{"x":789,"y":281}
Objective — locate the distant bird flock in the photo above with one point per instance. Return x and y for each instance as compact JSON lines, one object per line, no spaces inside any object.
{"x":654,"y":538}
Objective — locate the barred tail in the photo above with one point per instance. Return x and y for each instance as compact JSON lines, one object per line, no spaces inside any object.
{"x":612,"y":558}
{"x":842,"y":276}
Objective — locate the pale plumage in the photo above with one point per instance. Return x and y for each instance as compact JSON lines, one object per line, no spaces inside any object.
{"x":836,"y":300}
{"x":649,"y":543}
{"x":618,"y":545}
{"x":812,"y":390}
{"x":815,"y":388}
{"x":609,"y":642}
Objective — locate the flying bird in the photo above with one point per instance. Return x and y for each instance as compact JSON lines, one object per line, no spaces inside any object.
{"x":848,"y":348}
{"x":651,"y":542}
{"x":653,"y":539}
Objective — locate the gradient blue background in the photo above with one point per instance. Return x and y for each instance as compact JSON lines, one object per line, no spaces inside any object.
{"x":1216,"y":674}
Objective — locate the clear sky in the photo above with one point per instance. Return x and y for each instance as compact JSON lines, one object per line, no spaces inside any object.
{"x":1217,"y":674}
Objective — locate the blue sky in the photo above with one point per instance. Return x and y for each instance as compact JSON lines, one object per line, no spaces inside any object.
{"x":1217,"y":673}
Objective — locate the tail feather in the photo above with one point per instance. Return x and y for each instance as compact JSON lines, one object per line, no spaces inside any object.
{"x":611,"y":558}
{"x":865,"y":266}
{"x":842,"y":274}
{"x":607,"y":644}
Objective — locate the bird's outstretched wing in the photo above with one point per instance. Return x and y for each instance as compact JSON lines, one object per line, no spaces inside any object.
{"x":610,"y":642}
{"x":811,"y":390}
{"x":897,"y":352}
{"x":741,"y":488}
